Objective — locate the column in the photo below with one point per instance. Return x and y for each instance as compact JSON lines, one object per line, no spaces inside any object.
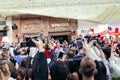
{"x":10,"y":31}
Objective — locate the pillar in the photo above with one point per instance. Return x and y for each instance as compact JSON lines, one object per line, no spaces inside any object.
{"x":10,"y":31}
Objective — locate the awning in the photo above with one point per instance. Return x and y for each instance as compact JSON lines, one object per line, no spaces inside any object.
{"x":102,"y":11}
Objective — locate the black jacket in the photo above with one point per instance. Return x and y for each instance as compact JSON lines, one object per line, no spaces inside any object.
{"x":40,"y":67}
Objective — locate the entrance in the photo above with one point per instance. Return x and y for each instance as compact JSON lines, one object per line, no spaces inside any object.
{"x":61,"y":35}
{"x":61,"y":38}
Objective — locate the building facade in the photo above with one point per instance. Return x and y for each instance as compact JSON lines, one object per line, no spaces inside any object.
{"x":32,"y":25}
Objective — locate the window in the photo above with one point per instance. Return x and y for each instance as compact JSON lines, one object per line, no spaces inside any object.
{"x":3,"y":33}
{"x":2,"y":22}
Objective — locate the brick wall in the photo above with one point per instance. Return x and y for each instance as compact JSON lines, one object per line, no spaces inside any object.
{"x":41,"y":24}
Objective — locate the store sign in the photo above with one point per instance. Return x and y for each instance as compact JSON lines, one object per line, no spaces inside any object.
{"x":60,"y":25}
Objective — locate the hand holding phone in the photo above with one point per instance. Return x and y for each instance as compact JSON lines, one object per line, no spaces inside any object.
{"x":39,"y":44}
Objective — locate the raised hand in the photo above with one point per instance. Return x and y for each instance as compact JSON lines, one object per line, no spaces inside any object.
{"x":39,"y":44}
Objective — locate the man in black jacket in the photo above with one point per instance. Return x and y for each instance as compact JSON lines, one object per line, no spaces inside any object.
{"x":40,"y":67}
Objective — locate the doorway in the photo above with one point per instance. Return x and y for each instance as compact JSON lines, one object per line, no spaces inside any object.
{"x":61,"y":38}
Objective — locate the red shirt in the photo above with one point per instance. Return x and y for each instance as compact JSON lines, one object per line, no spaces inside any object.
{"x":47,"y":53}
{"x":55,"y":47}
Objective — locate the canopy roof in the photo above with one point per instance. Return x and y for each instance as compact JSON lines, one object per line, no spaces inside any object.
{"x":101,"y":11}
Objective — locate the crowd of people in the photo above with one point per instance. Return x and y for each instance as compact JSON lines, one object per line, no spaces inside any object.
{"x":80,"y":59}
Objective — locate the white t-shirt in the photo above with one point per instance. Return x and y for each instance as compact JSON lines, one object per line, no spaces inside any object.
{"x":94,"y":55}
{"x":10,"y":78}
{"x":33,"y":51}
{"x":11,"y":49}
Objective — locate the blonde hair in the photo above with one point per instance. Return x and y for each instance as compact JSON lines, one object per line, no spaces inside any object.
{"x":5,"y":69}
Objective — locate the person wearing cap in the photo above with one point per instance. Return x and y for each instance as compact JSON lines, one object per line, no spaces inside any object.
{"x":11,"y":49}
{"x":21,"y":55}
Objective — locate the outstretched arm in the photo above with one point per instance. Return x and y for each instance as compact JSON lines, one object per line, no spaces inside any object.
{"x":40,"y":68}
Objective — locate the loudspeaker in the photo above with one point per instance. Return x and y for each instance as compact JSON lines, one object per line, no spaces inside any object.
{"x":14,"y":26}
